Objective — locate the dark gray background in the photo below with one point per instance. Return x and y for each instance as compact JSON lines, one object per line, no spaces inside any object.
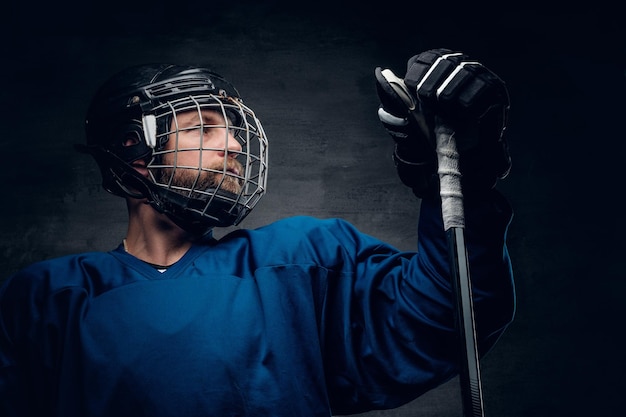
{"x":307,"y":70}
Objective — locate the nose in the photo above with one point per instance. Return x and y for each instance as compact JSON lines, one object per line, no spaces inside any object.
{"x":233,"y":147}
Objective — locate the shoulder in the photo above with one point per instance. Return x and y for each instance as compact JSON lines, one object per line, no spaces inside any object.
{"x":298,"y":228}
{"x":56,"y":273}
{"x":301,"y":239}
{"x":66,"y":262}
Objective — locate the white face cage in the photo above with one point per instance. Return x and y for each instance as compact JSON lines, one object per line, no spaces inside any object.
{"x":213,"y":151}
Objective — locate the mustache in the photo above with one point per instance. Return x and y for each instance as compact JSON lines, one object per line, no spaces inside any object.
{"x":226,"y":175}
{"x":231,"y":165}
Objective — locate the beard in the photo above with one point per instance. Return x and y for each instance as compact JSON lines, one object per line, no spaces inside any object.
{"x":192,"y":183}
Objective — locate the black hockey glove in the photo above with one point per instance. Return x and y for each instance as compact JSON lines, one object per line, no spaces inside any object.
{"x":445,"y":87}
{"x":401,"y":115}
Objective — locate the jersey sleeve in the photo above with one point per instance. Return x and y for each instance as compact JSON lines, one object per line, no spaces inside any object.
{"x":389,"y":328}
{"x":15,"y":390}
{"x":34,"y":323}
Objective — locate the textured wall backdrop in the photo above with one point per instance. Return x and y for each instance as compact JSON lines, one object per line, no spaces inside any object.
{"x":307,"y":70}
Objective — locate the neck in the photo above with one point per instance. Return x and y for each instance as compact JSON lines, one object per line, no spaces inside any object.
{"x":153,"y":237}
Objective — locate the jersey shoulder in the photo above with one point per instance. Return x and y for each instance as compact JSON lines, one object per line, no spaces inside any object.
{"x":290,"y":230}
{"x":76,"y":270}
{"x":301,"y":240}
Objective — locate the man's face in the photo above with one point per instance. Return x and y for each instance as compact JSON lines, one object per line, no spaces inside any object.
{"x":202,"y":140}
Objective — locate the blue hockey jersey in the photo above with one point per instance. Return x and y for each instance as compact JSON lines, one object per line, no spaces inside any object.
{"x":303,"y":317}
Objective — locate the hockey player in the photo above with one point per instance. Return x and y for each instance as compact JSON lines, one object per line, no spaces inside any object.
{"x":302,"y":317}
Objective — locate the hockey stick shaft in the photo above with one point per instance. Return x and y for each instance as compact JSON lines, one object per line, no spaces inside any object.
{"x":454,"y":225}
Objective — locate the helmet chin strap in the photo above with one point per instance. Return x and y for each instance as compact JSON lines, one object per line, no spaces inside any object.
{"x":190,"y":214}
{"x":187,"y":212}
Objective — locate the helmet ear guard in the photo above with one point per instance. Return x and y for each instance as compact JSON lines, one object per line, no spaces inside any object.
{"x":118,"y":177}
{"x":134,"y":115}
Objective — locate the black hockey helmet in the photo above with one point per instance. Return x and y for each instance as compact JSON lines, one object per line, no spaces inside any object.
{"x":134,"y":114}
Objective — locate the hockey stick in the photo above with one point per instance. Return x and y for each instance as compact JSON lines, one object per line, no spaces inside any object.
{"x":454,"y":225}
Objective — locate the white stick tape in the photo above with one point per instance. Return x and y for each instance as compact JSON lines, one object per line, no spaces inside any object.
{"x":449,"y":178}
